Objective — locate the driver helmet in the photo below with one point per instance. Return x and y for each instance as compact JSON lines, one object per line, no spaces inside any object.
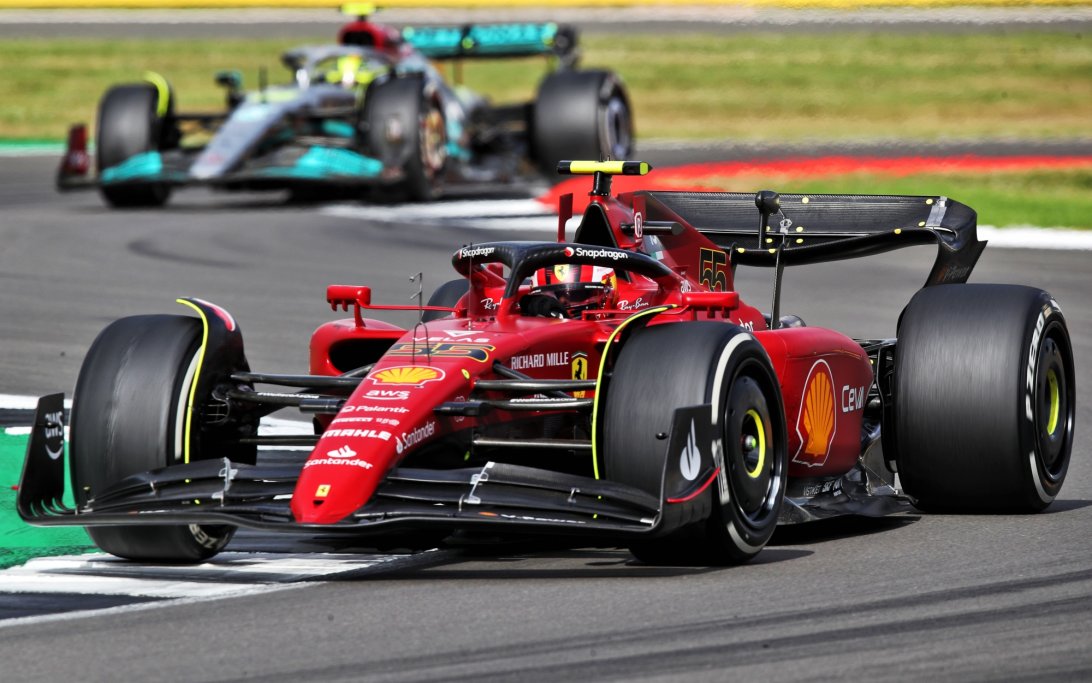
{"x":576,"y":287}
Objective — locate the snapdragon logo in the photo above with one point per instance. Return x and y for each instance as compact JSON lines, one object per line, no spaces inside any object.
{"x":601,"y":253}
{"x":474,"y":252}
{"x":414,"y":437}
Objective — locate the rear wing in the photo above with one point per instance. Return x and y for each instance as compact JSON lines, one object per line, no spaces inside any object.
{"x":493,"y":40}
{"x":826,"y":227}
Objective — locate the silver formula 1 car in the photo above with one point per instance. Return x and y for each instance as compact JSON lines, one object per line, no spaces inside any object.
{"x":370,"y":110}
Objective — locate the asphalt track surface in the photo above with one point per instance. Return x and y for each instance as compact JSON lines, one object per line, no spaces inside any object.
{"x":937,"y":597}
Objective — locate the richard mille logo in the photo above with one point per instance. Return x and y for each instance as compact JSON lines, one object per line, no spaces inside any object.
{"x":690,"y":460}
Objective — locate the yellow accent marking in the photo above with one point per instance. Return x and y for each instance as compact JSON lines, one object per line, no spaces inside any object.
{"x":929,"y":202}
{"x":196,"y":375}
{"x":761,"y":444}
{"x":466,"y":375}
{"x":163,"y":89}
{"x":358,"y":9}
{"x":322,"y":491}
{"x":602,"y":369}
{"x":609,"y":167}
{"x":898,"y":231}
{"x":1055,"y":401}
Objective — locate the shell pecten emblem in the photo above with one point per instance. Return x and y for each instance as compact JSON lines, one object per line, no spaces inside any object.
{"x":413,"y":375}
{"x":816,"y":424}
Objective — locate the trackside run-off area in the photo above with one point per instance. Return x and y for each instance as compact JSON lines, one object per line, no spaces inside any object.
{"x":20,"y":542}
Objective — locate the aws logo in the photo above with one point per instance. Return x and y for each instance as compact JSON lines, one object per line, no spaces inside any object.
{"x":417,"y":376}
{"x":816,"y":424}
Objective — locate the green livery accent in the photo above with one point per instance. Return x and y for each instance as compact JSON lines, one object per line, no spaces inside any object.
{"x":323,"y":162}
{"x":338,"y":129}
{"x":482,"y":40}
{"x":140,"y":166}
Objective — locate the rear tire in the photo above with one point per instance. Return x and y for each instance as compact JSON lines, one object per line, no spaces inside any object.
{"x":669,"y":366}
{"x":580,"y":115}
{"x":984,"y":398}
{"x":128,"y":416}
{"x":128,"y":125}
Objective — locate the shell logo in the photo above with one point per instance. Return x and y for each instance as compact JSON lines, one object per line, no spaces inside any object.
{"x":415,"y":375}
{"x":816,"y":424}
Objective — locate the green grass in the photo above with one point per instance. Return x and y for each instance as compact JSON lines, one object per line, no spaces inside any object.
{"x":755,"y":87}
{"x":1041,"y":198}
{"x":18,"y":540}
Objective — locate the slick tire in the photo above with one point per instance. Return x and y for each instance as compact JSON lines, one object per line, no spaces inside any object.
{"x":984,"y":398}
{"x":406,"y":128}
{"x":580,"y":115}
{"x":128,"y":416}
{"x":128,"y":125}
{"x":665,"y":367}
{"x":447,"y":294}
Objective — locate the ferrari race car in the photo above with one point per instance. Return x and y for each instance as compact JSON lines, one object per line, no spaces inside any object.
{"x":369,"y":111}
{"x":612,"y":389}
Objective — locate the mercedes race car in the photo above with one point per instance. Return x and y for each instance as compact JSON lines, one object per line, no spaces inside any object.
{"x":611,"y":388}
{"x":371,"y":111}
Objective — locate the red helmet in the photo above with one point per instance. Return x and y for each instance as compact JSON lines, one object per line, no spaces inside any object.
{"x":576,"y":287}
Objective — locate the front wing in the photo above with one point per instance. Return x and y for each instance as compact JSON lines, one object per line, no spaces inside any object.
{"x":499,"y":496}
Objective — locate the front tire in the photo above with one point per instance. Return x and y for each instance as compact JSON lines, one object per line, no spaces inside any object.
{"x":665,"y":367}
{"x":129,"y":416}
{"x":984,"y":398}
{"x":128,"y":125}
{"x":580,"y":115}
{"x":407,"y":128}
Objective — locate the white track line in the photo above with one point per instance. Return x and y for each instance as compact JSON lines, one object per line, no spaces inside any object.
{"x":227,"y":574}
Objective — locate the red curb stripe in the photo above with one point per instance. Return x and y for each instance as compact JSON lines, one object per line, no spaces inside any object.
{"x":695,"y":177}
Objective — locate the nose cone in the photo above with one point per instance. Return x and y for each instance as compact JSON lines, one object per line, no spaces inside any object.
{"x":340,"y":475}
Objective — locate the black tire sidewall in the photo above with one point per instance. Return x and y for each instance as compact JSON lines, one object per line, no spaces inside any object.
{"x":683,"y":361}
{"x":966,"y":358}
{"x":124,"y":421}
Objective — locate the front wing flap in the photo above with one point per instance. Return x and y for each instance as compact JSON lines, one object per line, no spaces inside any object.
{"x":517,"y":498}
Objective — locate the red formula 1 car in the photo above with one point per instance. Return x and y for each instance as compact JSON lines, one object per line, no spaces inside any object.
{"x":613,"y":389}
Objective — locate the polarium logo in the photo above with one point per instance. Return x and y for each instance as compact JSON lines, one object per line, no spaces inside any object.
{"x":412,"y":375}
{"x":816,"y":423}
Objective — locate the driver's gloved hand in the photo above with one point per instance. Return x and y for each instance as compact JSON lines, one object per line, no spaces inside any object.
{"x":541,"y":306}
